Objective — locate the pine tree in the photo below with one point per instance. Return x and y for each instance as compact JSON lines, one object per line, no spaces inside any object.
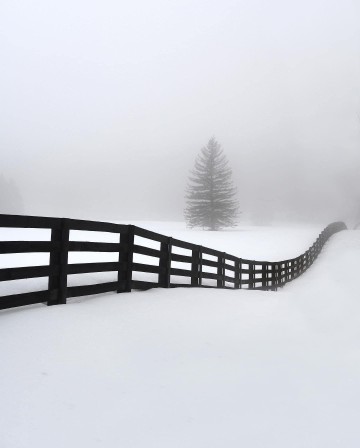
{"x":210,"y":194}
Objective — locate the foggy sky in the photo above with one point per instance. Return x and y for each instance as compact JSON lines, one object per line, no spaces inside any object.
{"x":105,"y":104}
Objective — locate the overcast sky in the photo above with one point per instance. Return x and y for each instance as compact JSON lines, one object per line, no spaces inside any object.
{"x":105,"y":104}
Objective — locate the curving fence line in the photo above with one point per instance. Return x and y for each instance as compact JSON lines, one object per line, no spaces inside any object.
{"x":204,"y":267}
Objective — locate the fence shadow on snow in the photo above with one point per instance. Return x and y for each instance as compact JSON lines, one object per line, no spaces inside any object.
{"x":205,"y":267}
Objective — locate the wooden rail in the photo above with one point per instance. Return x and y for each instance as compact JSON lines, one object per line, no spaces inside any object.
{"x":228,"y":271}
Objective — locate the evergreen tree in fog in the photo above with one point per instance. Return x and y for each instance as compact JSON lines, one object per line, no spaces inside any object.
{"x":211,"y":202}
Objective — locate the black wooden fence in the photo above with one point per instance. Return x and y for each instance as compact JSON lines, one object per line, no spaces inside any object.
{"x":229,"y":271}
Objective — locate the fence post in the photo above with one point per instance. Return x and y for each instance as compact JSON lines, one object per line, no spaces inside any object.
{"x":237,"y":274}
{"x":126,"y":260}
{"x":251,"y":275}
{"x":283,"y":273}
{"x":221,"y":271}
{"x":200,"y":266}
{"x":59,"y":259}
{"x":165,"y":263}
{"x":264,"y":275}
{"x":273,"y":277}
{"x":287,"y":271}
{"x":278,"y":274}
{"x":195,"y":261}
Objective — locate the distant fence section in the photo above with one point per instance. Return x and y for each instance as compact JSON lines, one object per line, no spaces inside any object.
{"x":201,"y":264}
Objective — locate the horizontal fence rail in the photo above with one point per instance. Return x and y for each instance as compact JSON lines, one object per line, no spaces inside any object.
{"x":228,"y":271}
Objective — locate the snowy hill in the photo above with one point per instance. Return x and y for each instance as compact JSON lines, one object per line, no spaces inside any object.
{"x":193,"y":368}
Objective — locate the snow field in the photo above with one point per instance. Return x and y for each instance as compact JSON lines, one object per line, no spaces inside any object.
{"x":193,"y":367}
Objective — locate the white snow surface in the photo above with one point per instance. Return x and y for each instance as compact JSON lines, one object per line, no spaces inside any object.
{"x":193,"y":368}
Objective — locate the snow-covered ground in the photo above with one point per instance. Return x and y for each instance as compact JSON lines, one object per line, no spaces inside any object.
{"x":193,"y":368}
